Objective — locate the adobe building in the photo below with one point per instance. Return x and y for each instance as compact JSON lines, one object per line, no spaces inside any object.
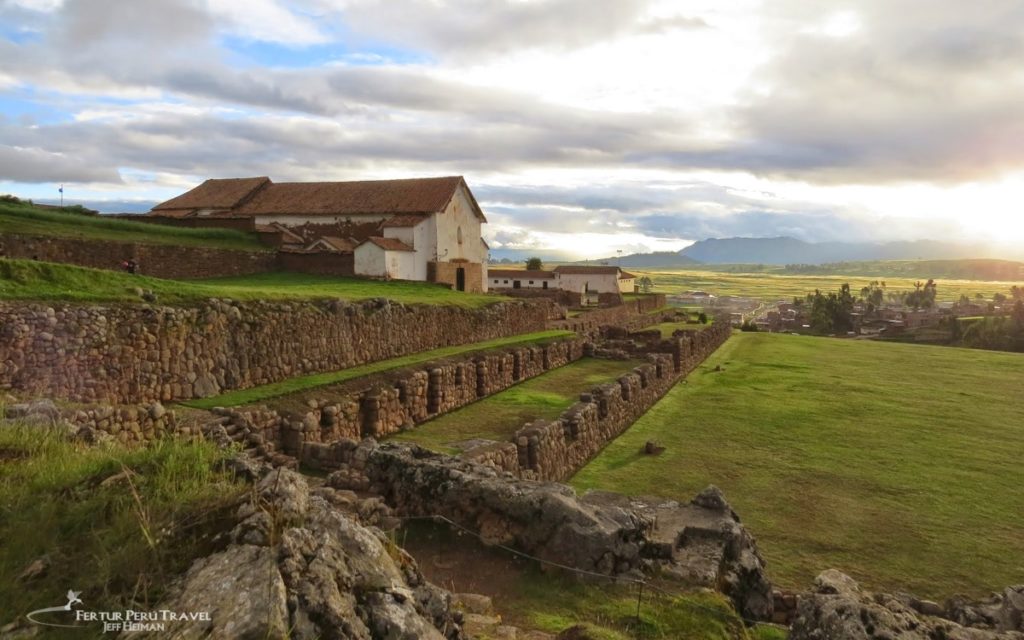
{"x":580,"y":279}
{"x":426,"y":229}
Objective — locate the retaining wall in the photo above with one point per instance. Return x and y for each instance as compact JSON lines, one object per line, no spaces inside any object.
{"x":555,"y":450}
{"x":127,"y":354}
{"x":381,"y":405}
{"x":162,"y":261}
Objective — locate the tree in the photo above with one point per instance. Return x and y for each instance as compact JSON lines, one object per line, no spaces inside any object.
{"x":534,"y":264}
{"x":1017,"y":293}
{"x":645,"y":284}
{"x":999,"y":298}
{"x":702,"y":318}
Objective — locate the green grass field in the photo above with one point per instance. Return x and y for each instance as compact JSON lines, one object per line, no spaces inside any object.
{"x":312,"y":381}
{"x":116,"y":523}
{"x":899,"y":464}
{"x":29,"y":220}
{"x":770,"y":286}
{"x":501,"y":415}
{"x":30,"y":280}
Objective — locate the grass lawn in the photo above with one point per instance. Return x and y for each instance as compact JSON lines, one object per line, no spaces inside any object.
{"x":304,"y":383}
{"x":31,"y":280}
{"x":26,"y":219}
{"x":898,"y":464}
{"x":107,"y":533}
{"x":501,"y":415}
{"x":770,"y":286}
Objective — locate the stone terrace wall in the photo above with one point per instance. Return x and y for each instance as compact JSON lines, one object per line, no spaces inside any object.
{"x":161,"y":261}
{"x":386,"y":404}
{"x":555,"y":450}
{"x":127,"y":354}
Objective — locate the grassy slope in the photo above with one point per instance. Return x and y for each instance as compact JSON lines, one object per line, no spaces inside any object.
{"x":899,"y":464}
{"x":29,"y":280}
{"x":302,"y":383}
{"x":53,"y":502}
{"x":771,"y":286}
{"x":498,"y":417}
{"x":26,"y":219}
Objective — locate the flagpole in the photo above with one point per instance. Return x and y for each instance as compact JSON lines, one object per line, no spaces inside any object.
{"x":62,"y":195}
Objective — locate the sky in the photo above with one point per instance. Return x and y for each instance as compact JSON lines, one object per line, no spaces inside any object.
{"x":585,"y":127}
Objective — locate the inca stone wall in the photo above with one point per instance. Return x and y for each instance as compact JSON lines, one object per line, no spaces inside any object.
{"x":129,"y":354}
{"x":158,"y":260}
{"x":555,"y":450}
{"x":543,"y":450}
{"x":380,"y":405}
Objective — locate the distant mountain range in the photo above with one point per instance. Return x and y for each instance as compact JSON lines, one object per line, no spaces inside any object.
{"x":786,"y":250}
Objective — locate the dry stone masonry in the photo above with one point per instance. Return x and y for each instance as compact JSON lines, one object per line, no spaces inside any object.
{"x":701,"y":542}
{"x":129,"y":354}
{"x":380,"y":405}
{"x":159,"y":260}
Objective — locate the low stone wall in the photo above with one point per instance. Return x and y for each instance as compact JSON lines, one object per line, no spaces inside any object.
{"x":161,"y":261}
{"x":701,"y":542}
{"x":381,"y":405}
{"x":624,"y":315}
{"x":324,"y":263}
{"x":555,"y":450}
{"x":128,"y":354}
{"x":129,"y":424}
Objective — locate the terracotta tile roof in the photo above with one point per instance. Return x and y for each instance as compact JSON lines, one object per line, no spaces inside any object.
{"x":246,"y":197}
{"x":572,"y":269}
{"x":388,"y":244}
{"x":625,"y":275}
{"x":419,"y":195}
{"x":520,"y":274}
{"x":226,"y":193}
{"x":404,"y":221}
{"x":344,"y":245}
{"x":287,"y":236}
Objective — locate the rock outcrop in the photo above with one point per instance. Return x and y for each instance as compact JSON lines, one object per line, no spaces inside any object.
{"x":838,"y":609}
{"x":702,"y":542}
{"x":298,"y":566}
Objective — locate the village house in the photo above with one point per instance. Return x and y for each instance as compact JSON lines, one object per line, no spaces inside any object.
{"x":575,"y":278}
{"x":425,"y":229}
{"x":594,"y":279}
{"x":520,"y":279}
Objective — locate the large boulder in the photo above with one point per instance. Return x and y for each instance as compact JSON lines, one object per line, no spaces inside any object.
{"x":838,"y":609}
{"x":298,"y":566}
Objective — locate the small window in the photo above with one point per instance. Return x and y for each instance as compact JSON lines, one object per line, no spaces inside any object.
{"x":458,"y":233}
{"x":531,"y":281}
{"x":506,"y":282}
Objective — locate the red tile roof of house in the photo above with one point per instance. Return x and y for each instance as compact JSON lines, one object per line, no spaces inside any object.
{"x":261,"y":196}
{"x":344,"y":245}
{"x":388,"y":244}
{"x":404,"y":221}
{"x":218,"y":193}
{"x":625,"y":275}
{"x":519,"y":274}
{"x":573,"y":269}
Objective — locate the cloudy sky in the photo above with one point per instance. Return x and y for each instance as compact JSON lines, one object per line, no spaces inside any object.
{"x":594,"y":126}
